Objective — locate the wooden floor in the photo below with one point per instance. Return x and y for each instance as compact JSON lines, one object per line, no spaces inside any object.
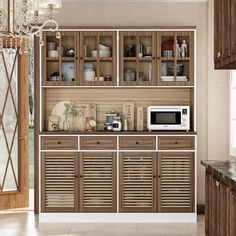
{"x":26,"y":224}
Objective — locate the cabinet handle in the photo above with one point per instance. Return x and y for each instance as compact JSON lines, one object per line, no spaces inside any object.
{"x":24,"y":138}
{"x":176,"y":142}
{"x":81,"y":176}
{"x":98,"y":142}
{"x":137,"y":143}
{"x":76,"y":176}
{"x":59,"y":142}
{"x":217,"y":184}
{"x":154,"y":176}
{"x":218,"y":54}
{"x":159,"y":176}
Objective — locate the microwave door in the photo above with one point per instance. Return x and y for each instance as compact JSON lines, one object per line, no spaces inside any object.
{"x":168,"y":118}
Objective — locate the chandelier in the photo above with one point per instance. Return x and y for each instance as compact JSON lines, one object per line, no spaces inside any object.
{"x":22,"y":19}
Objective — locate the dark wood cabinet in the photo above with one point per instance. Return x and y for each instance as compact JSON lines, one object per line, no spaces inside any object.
{"x":218,"y":207}
{"x":224,"y":34}
{"x":232,"y":225}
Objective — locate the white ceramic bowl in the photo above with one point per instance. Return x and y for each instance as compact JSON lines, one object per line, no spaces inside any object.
{"x":53,"y":53}
{"x":104,"y":47}
{"x":102,"y":53}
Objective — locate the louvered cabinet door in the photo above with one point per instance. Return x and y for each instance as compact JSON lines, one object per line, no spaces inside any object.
{"x":176,"y":182}
{"x":137,"y":182}
{"x":58,"y":182}
{"x":98,"y":181}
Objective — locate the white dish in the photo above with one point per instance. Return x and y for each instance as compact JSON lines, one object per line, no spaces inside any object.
{"x":53,"y":53}
{"x":58,"y":110}
{"x":102,"y":53}
{"x":104,"y":47}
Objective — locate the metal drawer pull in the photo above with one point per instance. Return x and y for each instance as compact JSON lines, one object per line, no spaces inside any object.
{"x":23,"y":137}
{"x":137,"y":142}
{"x":217,"y":184}
{"x":176,"y":142}
{"x":98,"y":142}
{"x":59,"y":142}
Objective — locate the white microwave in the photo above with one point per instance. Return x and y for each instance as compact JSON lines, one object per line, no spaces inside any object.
{"x":168,"y":118}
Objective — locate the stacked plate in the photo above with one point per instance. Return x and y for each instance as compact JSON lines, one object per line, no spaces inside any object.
{"x":104,"y":51}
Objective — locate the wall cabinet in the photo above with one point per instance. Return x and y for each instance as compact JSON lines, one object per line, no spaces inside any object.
{"x":118,"y":58}
{"x":224,"y":34}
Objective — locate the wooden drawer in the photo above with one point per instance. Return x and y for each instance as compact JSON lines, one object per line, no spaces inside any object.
{"x":137,"y":143}
{"x":177,"y":143}
{"x":59,"y":143}
{"x":98,"y":143}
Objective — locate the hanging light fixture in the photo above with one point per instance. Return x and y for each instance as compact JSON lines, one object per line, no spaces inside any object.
{"x":22,"y":19}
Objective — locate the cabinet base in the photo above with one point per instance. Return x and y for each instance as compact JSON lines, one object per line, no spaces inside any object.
{"x":117,"y":218}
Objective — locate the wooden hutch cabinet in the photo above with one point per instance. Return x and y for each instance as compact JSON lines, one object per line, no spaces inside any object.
{"x":224,"y":34}
{"x":120,"y":173}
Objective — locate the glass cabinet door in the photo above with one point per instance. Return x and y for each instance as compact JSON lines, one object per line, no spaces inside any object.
{"x":137,"y":58}
{"x":98,"y":59}
{"x":59,"y":68}
{"x":176,"y":58}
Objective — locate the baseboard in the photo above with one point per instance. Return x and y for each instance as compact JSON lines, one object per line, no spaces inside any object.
{"x":201,"y":209}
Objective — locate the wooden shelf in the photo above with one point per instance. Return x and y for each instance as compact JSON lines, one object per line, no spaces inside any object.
{"x":183,"y":58}
{"x":98,"y":59}
{"x":167,"y":59}
{"x":68,"y":59}
{"x":53,"y":59}
{"x":130,"y":58}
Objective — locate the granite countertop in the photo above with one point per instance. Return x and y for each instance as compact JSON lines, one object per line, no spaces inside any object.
{"x":226,"y":169}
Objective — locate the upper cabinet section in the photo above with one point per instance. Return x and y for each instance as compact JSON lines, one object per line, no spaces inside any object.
{"x":98,"y":59}
{"x":137,"y":58}
{"x":118,"y":58}
{"x":176,"y":58}
{"x":225,"y":34}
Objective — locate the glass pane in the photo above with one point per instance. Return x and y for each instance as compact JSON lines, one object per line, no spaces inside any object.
{"x":90,"y":46}
{"x":145,"y":71}
{"x":3,"y":15}
{"x":8,"y":125}
{"x":167,"y":71}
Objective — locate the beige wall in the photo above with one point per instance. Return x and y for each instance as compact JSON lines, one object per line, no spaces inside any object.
{"x":208,"y":82}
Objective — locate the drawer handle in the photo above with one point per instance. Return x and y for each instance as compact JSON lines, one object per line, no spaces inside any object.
{"x":76,"y":176}
{"x":217,"y":184}
{"x":137,"y":142}
{"x":81,"y":176}
{"x":154,"y":176}
{"x":98,"y":142}
{"x":176,"y":142}
{"x":59,"y":142}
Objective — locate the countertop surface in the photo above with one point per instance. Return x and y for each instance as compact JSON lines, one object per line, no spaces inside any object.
{"x":225,"y":168}
{"x":118,"y":133}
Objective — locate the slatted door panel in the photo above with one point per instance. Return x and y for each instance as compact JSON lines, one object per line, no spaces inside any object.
{"x":176,"y":182}
{"x":98,"y":182}
{"x":58,"y":182}
{"x":137,"y":182}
